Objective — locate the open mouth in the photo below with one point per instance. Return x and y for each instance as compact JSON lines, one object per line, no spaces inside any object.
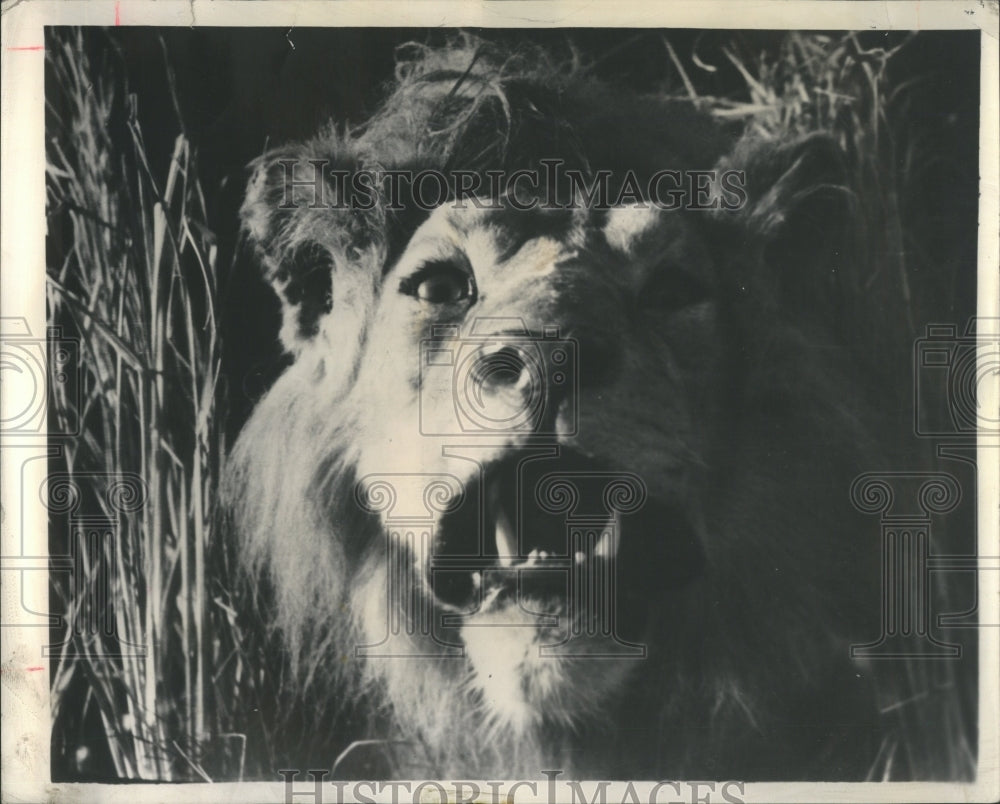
{"x":537,"y":531}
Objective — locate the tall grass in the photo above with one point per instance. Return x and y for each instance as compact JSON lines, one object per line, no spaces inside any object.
{"x":133,"y":274}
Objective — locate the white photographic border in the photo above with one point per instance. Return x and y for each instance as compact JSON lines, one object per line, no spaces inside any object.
{"x":25,"y":701}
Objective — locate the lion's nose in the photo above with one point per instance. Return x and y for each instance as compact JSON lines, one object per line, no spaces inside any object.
{"x":538,"y":372}
{"x":503,"y":367}
{"x":517,"y":382}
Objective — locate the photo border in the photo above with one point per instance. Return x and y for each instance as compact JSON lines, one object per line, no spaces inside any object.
{"x":25,"y":703}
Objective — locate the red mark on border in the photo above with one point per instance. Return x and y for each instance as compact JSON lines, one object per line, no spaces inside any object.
{"x":34,"y":669}
{"x":118,"y":12}
{"x":28,"y":47}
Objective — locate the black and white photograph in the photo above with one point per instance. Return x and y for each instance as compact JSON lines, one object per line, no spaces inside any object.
{"x":586,"y":411}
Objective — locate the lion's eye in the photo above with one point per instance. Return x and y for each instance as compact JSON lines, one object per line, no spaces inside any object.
{"x":438,"y":283}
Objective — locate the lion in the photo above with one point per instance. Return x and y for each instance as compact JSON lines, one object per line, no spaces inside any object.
{"x":565,"y":485}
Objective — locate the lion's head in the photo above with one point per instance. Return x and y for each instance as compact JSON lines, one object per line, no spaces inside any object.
{"x":564,"y":485}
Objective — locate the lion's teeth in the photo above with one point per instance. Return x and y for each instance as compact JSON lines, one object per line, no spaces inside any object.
{"x":506,"y":539}
{"x":609,"y":542}
{"x":579,"y":557}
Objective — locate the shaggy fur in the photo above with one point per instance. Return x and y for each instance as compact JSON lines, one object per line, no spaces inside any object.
{"x":717,"y":367}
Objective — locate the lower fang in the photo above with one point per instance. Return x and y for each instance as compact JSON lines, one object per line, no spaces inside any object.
{"x":579,"y":557}
{"x":477,"y":580}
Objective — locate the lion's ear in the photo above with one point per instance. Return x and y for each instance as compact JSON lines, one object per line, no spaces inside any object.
{"x":314,"y":249}
{"x":797,"y":219}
